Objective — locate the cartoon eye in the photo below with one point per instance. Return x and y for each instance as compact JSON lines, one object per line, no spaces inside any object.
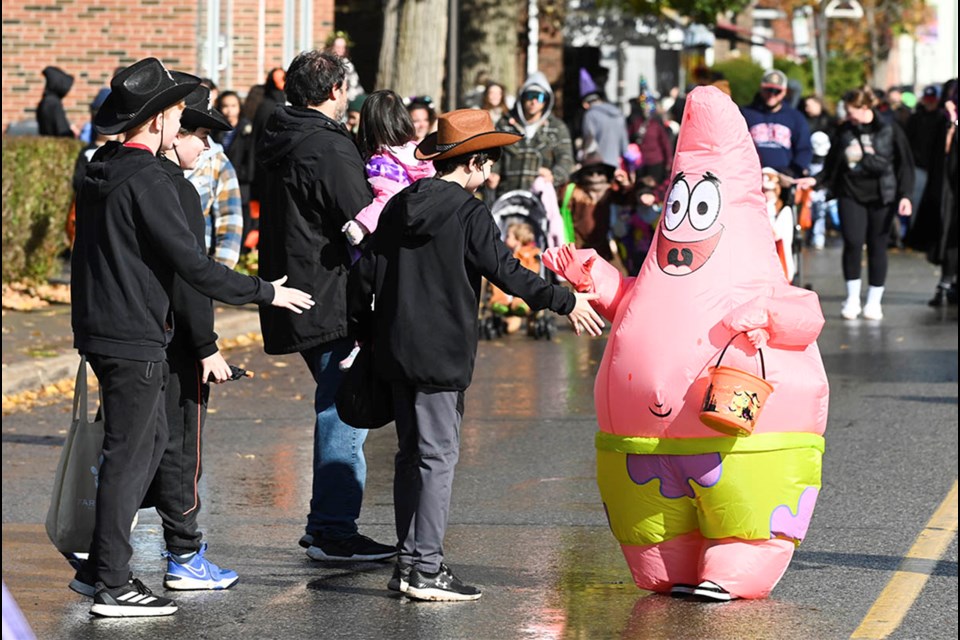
{"x":704,"y":204}
{"x":676,"y":206}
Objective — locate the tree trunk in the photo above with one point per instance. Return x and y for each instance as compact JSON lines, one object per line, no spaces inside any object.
{"x":488,"y":42}
{"x":421,"y":49}
{"x":387,"y":69}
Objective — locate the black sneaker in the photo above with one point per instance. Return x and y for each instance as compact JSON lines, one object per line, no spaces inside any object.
{"x":713,"y":592}
{"x":441,"y":586}
{"x":356,"y":548}
{"x":681,"y":590}
{"x":306,"y":540}
{"x":130,"y":600}
{"x":401,"y":578}
{"x":83,"y":580}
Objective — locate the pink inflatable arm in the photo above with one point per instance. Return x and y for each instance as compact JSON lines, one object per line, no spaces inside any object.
{"x":791,"y":319}
{"x":584,"y":269}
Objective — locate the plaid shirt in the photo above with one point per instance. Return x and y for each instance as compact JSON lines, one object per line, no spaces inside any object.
{"x":216,"y":180}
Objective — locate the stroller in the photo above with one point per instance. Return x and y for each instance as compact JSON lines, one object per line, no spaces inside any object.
{"x":525,"y":207}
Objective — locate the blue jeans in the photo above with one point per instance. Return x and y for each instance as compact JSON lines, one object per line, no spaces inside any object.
{"x":339,"y":468}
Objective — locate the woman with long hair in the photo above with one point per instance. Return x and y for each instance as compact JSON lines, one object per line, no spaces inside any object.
{"x":870,"y":169}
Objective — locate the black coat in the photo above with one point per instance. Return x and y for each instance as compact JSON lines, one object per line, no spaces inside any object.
{"x":882,"y":177}
{"x":315,"y":183}
{"x":273,"y":97}
{"x":242,"y":155}
{"x":51,"y":118}
{"x":193,"y":333}
{"x":132,"y":238}
{"x":432,"y":246}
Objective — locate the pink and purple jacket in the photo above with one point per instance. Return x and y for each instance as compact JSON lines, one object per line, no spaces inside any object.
{"x":389,"y":171}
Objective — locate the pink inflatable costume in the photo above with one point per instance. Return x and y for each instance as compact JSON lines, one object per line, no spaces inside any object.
{"x":697,"y":511}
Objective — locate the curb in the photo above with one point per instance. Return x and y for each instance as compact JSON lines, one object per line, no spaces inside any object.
{"x":41,"y":372}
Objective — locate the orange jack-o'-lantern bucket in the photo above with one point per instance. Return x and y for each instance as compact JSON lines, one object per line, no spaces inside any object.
{"x":734,"y":397}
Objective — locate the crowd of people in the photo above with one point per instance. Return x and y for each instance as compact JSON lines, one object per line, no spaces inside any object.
{"x":348,"y":194}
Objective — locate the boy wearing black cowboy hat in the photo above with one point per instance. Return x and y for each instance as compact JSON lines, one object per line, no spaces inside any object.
{"x":132,"y":238}
{"x":434,"y":242}
{"x":174,"y":490}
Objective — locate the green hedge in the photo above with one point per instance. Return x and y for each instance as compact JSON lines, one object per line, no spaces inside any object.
{"x":37,"y":194}
{"x":744,"y":76}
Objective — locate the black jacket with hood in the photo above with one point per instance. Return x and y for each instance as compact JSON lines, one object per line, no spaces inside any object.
{"x":192,"y":311}
{"x":432,"y":246}
{"x":132,"y":238}
{"x":316,"y":183}
{"x":51,"y":118}
{"x":881,"y":169}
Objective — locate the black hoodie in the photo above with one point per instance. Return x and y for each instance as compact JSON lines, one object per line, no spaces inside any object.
{"x":432,"y":246}
{"x":192,"y":311}
{"x":51,"y":118}
{"x":131,"y":238}
{"x":316,"y":183}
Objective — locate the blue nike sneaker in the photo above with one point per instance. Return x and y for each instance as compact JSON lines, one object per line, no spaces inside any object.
{"x":196,"y":573}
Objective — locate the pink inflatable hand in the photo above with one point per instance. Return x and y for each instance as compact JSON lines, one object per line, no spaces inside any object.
{"x":570,"y":263}
{"x":758,"y":338}
{"x":748,"y":317}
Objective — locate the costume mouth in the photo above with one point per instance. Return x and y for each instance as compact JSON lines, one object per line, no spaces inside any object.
{"x":682,"y":258}
{"x":660,"y":409}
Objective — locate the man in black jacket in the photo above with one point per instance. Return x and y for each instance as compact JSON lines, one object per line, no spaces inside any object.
{"x":434,"y":242}
{"x":132,"y":238}
{"x":315,"y":184}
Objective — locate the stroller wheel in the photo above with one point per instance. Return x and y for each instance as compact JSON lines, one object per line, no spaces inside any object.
{"x":496,"y":327}
{"x":486,"y":330}
{"x":550,"y":329}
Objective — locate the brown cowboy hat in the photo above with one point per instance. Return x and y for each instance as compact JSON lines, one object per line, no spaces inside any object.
{"x":463,"y":131}
{"x":138,"y":93}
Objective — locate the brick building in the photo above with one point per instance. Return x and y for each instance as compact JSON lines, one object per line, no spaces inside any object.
{"x":90,"y":38}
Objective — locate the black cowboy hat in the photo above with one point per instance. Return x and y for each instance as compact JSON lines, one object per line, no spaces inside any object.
{"x":199,"y":113}
{"x":461,"y":132}
{"x":138,"y":93}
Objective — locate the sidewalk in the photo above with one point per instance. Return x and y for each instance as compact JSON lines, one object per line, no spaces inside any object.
{"x":38,"y":345}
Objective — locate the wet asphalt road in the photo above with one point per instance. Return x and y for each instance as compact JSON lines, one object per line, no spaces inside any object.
{"x":526,"y":522}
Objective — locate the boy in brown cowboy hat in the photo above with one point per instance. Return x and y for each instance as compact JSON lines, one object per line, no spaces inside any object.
{"x":434,"y":242}
{"x":132,"y":238}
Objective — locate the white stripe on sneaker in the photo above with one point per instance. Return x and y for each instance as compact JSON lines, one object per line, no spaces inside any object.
{"x":127,"y":596}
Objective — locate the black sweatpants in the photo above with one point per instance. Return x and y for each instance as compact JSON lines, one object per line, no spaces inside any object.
{"x":865,"y":224}
{"x":174,"y":490}
{"x":135,"y":434}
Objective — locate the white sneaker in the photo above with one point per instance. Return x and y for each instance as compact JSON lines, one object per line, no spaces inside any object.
{"x":872,"y":312}
{"x":851,"y":309}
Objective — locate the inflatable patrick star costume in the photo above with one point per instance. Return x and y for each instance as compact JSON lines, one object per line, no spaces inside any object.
{"x":696,"y":511}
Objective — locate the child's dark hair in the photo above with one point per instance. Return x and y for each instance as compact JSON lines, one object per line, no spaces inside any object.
{"x":449,"y":165}
{"x":384,"y":122}
{"x":312,"y":76}
{"x":420,"y":103}
{"x":223,"y":95}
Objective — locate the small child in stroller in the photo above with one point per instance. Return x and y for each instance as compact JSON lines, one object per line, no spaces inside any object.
{"x":521,"y":239}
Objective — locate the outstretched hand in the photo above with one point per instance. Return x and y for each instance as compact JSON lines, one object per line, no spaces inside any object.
{"x":290,"y":298}
{"x":584,"y":317}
